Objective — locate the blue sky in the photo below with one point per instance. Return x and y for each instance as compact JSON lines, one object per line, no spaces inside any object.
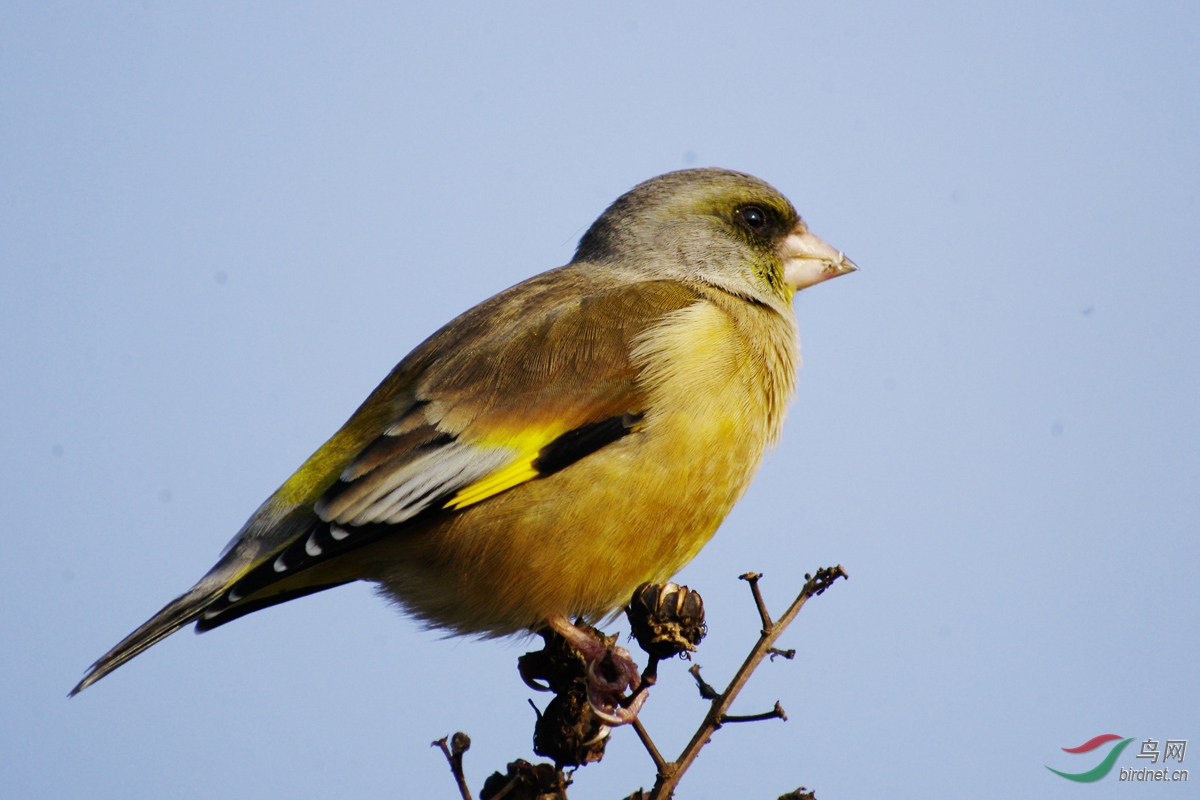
{"x":222,"y":224}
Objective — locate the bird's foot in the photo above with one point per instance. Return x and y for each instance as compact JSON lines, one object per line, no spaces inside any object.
{"x":610,"y":671}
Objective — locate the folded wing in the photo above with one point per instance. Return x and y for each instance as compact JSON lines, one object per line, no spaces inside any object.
{"x":519,"y":387}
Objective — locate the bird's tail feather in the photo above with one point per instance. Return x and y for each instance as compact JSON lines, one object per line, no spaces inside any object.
{"x":173,"y":616}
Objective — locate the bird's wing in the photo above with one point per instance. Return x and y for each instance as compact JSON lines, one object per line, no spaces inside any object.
{"x":504,"y":404}
{"x":514,"y":390}
{"x":520,"y":386}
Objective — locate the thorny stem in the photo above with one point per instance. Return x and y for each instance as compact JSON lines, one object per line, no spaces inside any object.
{"x":670,"y":774}
{"x":461,"y":744}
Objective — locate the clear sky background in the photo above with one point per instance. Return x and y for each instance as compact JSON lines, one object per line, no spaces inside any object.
{"x":222,"y":224}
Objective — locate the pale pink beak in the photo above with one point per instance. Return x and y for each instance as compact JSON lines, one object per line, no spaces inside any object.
{"x":808,"y":260}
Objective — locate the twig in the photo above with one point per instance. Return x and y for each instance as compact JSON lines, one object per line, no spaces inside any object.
{"x":707,"y":692}
{"x":752,"y":578}
{"x":669,"y":774}
{"x":459,"y":744}
{"x":776,"y":713}
{"x":649,"y":677}
{"x":660,"y":763}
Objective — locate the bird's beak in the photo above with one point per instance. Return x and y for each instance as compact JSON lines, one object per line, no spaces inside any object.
{"x":808,"y":260}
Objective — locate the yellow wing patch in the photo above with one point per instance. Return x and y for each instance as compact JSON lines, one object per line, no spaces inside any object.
{"x":527,"y":445}
{"x":515,"y":473}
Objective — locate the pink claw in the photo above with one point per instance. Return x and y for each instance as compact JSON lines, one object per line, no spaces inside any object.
{"x":605,"y":694}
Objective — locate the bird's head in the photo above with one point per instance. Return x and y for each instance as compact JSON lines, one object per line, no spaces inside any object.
{"x":719,"y":227}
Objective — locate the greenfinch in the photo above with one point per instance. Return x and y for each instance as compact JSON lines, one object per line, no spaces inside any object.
{"x":557,"y":445}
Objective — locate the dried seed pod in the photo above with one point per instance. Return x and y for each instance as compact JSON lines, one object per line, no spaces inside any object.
{"x":667,"y":619}
{"x":568,"y":731}
{"x":558,"y":666}
{"x":525,"y":781}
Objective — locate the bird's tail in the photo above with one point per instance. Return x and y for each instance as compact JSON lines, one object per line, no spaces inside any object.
{"x":174,"y":615}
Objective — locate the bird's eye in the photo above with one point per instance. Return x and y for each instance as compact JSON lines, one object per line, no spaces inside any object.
{"x":753,"y":218}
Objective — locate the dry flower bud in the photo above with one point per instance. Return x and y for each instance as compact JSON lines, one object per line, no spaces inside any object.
{"x":667,"y":619}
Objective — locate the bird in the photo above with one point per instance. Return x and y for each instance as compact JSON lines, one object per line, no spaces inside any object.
{"x":556,"y":446}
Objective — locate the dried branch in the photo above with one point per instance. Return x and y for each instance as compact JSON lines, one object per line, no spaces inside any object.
{"x":660,"y":763}
{"x":707,"y":692}
{"x":775,"y":713}
{"x":670,"y":774}
{"x":752,"y":578}
{"x":667,"y":620}
{"x":459,"y":744}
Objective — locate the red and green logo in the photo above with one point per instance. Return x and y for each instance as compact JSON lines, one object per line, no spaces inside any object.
{"x":1104,"y":767}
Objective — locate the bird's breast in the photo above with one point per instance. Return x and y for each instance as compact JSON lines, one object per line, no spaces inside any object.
{"x":580,"y":540}
{"x":718,"y":377}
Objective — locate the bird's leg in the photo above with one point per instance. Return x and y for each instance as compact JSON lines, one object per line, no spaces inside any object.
{"x":610,"y":670}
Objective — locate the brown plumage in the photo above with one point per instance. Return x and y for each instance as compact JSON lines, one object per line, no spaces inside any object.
{"x":562,"y":442}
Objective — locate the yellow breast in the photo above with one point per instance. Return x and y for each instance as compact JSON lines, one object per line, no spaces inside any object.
{"x":717,"y":378}
{"x":719,"y":375}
